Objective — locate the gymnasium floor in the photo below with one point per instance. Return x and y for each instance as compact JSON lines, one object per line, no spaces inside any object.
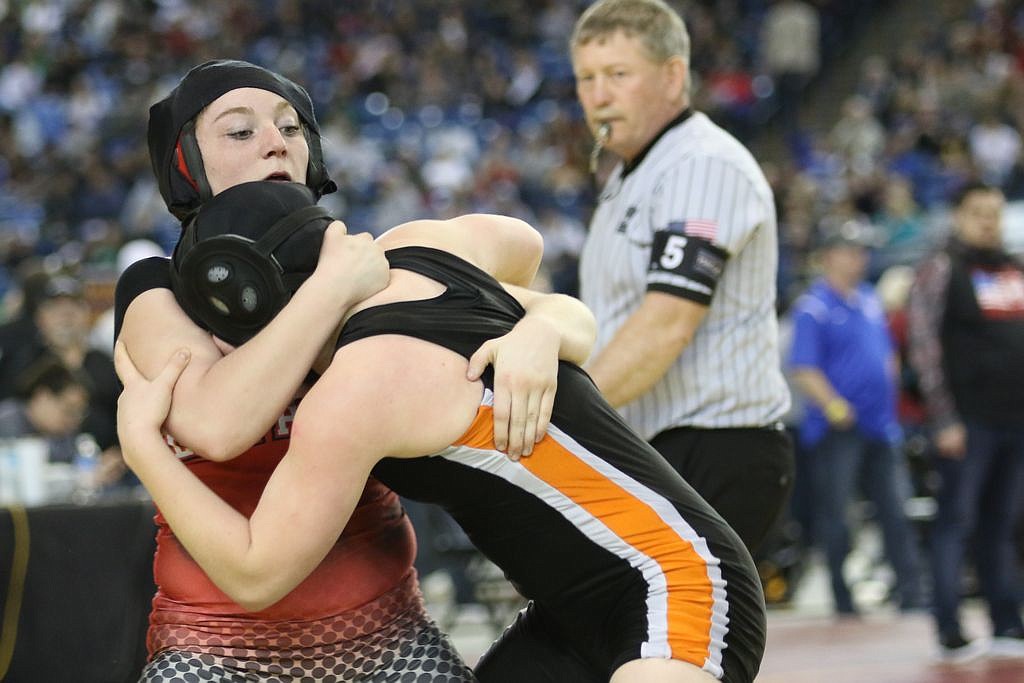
{"x":878,"y":648}
{"x":806,"y":644}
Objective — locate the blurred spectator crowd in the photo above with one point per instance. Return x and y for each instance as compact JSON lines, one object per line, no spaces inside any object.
{"x":942,"y":108}
{"x":429,"y":108}
{"x":440,"y":107}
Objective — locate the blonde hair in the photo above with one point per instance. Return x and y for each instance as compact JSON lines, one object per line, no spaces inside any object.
{"x":660,"y":28}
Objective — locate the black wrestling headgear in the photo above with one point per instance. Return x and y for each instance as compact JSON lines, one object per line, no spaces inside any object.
{"x":173,"y":151}
{"x":243,"y":255}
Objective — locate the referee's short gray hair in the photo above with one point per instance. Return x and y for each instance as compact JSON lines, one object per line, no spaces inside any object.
{"x":660,"y":28}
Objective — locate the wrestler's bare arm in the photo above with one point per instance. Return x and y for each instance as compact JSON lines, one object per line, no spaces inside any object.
{"x":526,"y":365}
{"x":507,"y":248}
{"x":223,"y":404}
{"x":569,"y":317}
{"x":421,"y":403}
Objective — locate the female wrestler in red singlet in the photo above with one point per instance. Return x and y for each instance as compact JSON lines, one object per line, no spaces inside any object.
{"x":359,"y":615}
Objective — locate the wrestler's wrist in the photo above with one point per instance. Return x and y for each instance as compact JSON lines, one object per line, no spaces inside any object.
{"x":539,"y":326}
{"x":139,"y":443}
{"x":329,"y":291}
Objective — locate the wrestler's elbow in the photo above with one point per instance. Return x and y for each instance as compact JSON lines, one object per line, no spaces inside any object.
{"x":255,"y":594}
{"x":219,"y":451}
{"x":254,"y":603}
{"x":213,"y":443}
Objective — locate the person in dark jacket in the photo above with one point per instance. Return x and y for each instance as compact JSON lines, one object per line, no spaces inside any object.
{"x":966,"y":343}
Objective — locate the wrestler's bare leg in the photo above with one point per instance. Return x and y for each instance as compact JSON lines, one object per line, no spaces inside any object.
{"x":660,"y":671}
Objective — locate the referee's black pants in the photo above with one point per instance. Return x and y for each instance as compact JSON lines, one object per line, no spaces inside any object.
{"x":745,"y":474}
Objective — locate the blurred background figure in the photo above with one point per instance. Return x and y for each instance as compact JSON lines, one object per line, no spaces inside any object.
{"x":994,"y":146}
{"x":50,"y":402}
{"x":790,"y":50}
{"x":966,"y":342}
{"x":21,"y":303}
{"x":843,"y":360}
{"x":858,"y":136}
{"x":904,"y":234}
{"x":101,"y":333}
{"x":63,"y":320}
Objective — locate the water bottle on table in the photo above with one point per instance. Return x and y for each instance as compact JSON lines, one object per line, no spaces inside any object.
{"x":87,"y":461}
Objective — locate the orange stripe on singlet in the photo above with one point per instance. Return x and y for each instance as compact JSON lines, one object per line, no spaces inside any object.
{"x":690,"y":599}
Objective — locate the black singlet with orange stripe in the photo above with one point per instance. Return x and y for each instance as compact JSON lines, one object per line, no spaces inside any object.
{"x":595,"y":527}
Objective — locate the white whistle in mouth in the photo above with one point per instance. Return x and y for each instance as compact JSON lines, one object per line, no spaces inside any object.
{"x":603,"y":133}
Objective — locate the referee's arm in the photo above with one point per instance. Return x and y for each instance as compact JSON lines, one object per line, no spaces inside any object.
{"x":646,"y":345}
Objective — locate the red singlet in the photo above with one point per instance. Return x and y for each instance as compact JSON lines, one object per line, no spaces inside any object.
{"x":365,"y":580}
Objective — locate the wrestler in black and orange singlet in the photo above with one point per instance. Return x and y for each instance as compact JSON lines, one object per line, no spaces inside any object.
{"x":620,"y":558}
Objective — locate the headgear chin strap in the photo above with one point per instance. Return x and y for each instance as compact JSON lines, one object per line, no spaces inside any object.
{"x":230,"y":283}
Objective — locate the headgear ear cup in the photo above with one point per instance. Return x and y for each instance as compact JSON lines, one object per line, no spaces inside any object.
{"x":193,"y":160}
{"x":230,"y":283}
{"x":233,"y":289}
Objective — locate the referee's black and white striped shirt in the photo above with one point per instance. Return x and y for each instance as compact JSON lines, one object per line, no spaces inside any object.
{"x":695,"y":218}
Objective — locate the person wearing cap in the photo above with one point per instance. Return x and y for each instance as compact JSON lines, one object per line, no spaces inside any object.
{"x":843,"y":360}
{"x":226,"y":123}
{"x":58,"y":309}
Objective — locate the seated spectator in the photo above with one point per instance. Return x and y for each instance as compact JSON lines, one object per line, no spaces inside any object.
{"x":858,"y":136}
{"x":877,"y":86}
{"x":50,"y":402}
{"x":901,"y":225}
{"x":20,"y":304}
{"x":730,"y":92}
{"x":1013,"y":186}
{"x":994,"y":147}
{"x":63,"y":319}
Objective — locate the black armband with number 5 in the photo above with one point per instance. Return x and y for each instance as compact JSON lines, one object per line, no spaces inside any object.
{"x":685,"y":265}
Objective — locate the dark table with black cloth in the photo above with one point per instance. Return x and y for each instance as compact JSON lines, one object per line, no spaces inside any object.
{"x":84,"y":592}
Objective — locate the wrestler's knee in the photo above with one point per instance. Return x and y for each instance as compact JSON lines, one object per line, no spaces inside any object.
{"x":660,"y":671}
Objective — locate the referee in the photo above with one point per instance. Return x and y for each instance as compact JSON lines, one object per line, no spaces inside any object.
{"x":679,"y":267}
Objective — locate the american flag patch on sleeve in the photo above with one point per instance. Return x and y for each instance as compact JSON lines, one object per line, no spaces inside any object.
{"x":701,"y":227}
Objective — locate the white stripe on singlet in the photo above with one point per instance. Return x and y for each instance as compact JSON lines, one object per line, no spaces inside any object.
{"x":730,"y":375}
{"x":557,"y":493}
